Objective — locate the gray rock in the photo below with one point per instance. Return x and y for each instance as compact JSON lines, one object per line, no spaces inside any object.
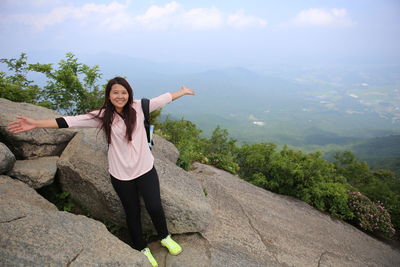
{"x":83,"y":172}
{"x":35,"y":143}
{"x":7,"y":159}
{"x":36,"y":235}
{"x":254,"y":227}
{"x":21,"y":192}
{"x":186,"y":207}
{"x":35,"y":172}
{"x":195,"y":252}
{"x":163,"y":149}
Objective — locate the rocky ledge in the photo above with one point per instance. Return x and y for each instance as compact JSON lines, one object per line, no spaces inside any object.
{"x":219,"y":219}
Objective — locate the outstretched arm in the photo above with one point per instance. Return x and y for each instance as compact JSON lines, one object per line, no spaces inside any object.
{"x":184,"y":91}
{"x":27,"y":124}
{"x":162,"y":100}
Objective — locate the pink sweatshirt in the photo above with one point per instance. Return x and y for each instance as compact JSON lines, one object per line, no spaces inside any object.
{"x":126,"y":161}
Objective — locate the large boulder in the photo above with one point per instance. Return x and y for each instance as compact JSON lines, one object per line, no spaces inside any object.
{"x":7,"y":159}
{"x":35,"y":143}
{"x":35,"y":233}
{"x":254,"y":227}
{"x":164,"y":150}
{"x":83,"y":172}
{"x":35,"y":172}
{"x":12,"y":190}
{"x":186,"y":207}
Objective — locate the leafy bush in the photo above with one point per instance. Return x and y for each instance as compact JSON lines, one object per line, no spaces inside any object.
{"x":254,"y":161}
{"x":221,"y":150}
{"x":305,"y":176}
{"x":330,"y":197}
{"x":224,"y":162}
{"x":186,"y":137}
{"x":378,"y":185}
{"x":218,"y":151}
{"x":370,"y":216}
{"x":293,"y":172}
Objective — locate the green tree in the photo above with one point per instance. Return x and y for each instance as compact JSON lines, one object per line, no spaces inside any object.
{"x":16,"y":86}
{"x":220,"y":150}
{"x":71,"y":88}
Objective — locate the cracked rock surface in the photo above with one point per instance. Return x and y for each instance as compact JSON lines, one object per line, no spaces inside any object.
{"x":255,"y":227}
{"x":37,"y":234}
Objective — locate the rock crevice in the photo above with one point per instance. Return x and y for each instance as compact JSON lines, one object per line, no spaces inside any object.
{"x":13,"y":220}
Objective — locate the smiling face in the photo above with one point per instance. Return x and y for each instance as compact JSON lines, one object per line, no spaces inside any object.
{"x":119,"y":97}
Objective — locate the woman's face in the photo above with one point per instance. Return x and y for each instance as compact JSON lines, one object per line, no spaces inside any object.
{"x":119,"y":97}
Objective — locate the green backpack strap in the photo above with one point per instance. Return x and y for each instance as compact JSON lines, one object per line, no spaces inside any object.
{"x":146,"y":111}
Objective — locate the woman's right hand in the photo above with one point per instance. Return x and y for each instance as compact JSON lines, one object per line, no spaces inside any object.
{"x":21,"y":125}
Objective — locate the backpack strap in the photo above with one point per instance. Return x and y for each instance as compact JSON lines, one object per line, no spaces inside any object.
{"x":146,"y":111}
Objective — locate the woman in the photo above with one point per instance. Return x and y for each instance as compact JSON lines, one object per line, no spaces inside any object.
{"x":131,"y":163}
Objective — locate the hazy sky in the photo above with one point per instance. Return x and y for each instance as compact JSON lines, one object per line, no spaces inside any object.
{"x":226,"y":32}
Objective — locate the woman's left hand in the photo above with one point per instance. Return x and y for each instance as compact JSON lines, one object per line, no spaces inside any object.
{"x":187,"y":91}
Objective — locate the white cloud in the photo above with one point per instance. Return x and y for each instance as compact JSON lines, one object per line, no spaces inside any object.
{"x":40,"y":21}
{"x":24,"y":3}
{"x":155,"y":12}
{"x":112,"y":16}
{"x":116,"y":16}
{"x":173,"y":15}
{"x":240,"y":20}
{"x":157,"y":17}
{"x":323,"y":17}
{"x":203,"y":18}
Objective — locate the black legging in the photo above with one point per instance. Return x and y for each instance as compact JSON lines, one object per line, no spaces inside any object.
{"x":128,"y":191}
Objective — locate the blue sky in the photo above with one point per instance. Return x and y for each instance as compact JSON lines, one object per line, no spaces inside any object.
{"x":248,"y":33}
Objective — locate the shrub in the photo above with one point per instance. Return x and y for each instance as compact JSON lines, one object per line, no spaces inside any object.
{"x":254,"y":161}
{"x":330,"y":197}
{"x":224,"y":162}
{"x":186,"y":137}
{"x":371,"y":217}
{"x":221,"y":150}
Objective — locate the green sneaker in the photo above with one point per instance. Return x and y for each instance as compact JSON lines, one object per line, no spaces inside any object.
{"x":146,"y":251}
{"x":171,"y":245}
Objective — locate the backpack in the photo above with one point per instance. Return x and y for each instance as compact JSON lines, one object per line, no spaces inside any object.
{"x":149,"y":128}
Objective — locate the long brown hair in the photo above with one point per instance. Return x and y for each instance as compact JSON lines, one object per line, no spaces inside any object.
{"x":129,"y":113}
